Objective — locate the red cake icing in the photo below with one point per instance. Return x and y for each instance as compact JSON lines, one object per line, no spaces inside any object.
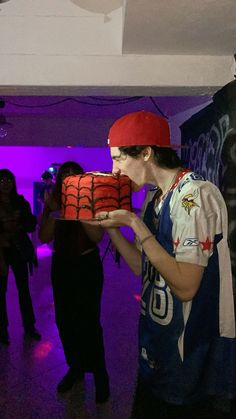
{"x":83,"y":196}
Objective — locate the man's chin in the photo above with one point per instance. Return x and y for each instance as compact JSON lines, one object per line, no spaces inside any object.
{"x":135,"y":187}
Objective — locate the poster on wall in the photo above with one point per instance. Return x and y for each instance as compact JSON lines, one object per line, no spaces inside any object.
{"x":209,"y":138}
{"x":203,"y":135}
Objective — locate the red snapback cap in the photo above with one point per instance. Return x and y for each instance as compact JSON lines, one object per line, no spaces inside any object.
{"x":139,"y":128}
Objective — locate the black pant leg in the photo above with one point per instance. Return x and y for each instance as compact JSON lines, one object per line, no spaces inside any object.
{"x":62,"y":275}
{"x":3,"y":305}
{"x":91,"y":328}
{"x":20,"y":270}
{"x":77,"y":287}
{"x":146,"y":405}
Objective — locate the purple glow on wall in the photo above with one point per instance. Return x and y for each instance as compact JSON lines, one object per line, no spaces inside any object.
{"x":28,"y":163}
{"x":43,"y":349}
{"x":43,"y":251}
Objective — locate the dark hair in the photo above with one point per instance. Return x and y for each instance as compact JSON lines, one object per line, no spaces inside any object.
{"x":9,"y":175}
{"x":46,"y":175}
{"x":165,"y":157}
{"x":65,"y":169}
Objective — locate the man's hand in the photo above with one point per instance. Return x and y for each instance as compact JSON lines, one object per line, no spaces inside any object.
{"x":117,"y":218}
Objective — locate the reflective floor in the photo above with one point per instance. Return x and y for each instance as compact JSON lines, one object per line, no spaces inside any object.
{"x":30,"y":371}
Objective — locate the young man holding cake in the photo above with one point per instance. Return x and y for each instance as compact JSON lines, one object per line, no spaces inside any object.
{"x":187,"y":346}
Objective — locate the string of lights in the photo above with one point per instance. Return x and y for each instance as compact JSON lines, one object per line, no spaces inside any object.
{"x":98,"y":101}
{"x":81,"y":101}
{"x":93,"y":101}
{"x":157,"y":107}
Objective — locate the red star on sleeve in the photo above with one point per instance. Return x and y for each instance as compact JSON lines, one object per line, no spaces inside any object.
{"x":176,"y":243}
{"x":206,"y":245}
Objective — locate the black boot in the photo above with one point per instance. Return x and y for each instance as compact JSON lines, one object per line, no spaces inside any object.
{"x":69,"y":380}
{"x":4,"y":337}
{"x":101,"y":380}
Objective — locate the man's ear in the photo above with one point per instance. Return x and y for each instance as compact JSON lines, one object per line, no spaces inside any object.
{"x":147,"y":151}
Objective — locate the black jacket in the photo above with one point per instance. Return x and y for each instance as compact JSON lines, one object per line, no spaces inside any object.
{"x":25,"y":222}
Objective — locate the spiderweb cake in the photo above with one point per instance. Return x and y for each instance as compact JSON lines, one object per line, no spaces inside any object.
{"x":83,"y":196}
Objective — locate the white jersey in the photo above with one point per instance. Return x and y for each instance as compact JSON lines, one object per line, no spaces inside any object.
{"x":181,"y":343}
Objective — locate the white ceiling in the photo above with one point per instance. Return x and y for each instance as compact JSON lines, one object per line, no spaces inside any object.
{"x":115,"y":46}
{"x":176,"y":27}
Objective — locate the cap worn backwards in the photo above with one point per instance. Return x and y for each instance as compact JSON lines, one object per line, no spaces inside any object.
{"x":139,"y":128}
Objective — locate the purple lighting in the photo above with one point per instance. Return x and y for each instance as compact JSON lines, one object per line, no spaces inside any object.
{"x":43,"y":349}
{"x":43,"y":251}
{"x":28,"y":163}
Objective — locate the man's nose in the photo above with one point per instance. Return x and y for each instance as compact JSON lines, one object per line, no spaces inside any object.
{"x":115,"y":168}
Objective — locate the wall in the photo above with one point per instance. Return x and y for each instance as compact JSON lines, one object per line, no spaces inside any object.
{"x":28,"y":163}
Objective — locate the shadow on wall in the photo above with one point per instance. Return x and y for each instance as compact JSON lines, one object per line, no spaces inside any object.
{"x":102,"y":6}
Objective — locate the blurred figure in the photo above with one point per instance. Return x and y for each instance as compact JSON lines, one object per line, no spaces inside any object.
{"x":47,"y":179}
{"x":77,"y":280}
{"x":17,"y":252}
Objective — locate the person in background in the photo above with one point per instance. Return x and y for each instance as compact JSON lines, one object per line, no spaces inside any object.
{"x":17,"y":252}
{"x":47,"y":179}
{"x":187,"y":345}
{"x":77,"y":281}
